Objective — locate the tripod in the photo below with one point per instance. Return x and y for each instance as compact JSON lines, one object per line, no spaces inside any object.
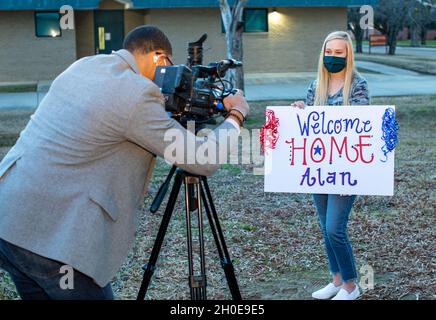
{"x":196,"y":191}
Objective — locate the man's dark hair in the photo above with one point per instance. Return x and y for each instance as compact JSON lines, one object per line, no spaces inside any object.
{"x":146,"y":39}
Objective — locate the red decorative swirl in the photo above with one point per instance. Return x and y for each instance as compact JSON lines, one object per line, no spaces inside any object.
{"x":269,"y":132}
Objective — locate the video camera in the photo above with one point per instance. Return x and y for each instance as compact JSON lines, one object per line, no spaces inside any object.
{"x":195,"y":91}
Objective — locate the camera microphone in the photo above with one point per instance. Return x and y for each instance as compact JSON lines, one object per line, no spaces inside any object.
{"x":226,"y":64}
{"x":231,"y":63}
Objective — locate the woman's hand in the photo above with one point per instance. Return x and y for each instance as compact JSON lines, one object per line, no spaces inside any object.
{"x":298,"y":104}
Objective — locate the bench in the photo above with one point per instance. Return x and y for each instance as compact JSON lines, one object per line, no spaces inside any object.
{"x":378,"y":40}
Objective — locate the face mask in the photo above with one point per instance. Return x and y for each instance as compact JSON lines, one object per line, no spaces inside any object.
{"x":334,"y":64}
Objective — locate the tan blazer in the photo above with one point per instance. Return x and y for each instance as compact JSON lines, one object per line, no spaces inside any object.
{"x":70,"y":185}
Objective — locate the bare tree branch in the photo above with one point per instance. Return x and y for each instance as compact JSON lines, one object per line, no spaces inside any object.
{"x":390,"y":18}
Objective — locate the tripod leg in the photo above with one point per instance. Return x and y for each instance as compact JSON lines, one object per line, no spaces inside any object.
{"x":149,"y":268}
{"x":197,"y":283}
{"x":162,"y":191}
{"x":218,"y":235}
{"x":201,"y":243}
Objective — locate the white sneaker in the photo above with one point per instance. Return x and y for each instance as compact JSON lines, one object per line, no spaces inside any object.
{"x":344,"y":295}
{"x":327,"y":292}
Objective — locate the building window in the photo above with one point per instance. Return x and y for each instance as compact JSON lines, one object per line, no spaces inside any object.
{"x":47,"y":24}
{"x":255,"y":20}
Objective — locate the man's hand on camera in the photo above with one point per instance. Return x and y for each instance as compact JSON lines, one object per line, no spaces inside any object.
{"x":237,"y":102}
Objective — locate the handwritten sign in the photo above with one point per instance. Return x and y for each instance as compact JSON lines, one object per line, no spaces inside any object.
{"x":334,"y":150}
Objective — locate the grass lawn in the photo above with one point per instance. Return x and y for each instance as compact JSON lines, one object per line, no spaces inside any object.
{"x":27,"y":87}
{"x":406,"y":43}
{"x":275,"y":240}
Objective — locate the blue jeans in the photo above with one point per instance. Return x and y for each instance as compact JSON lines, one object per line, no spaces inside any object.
{"x":333,"y":211}
{"x":39,"y":278}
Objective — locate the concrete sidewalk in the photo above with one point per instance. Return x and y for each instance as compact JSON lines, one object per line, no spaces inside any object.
{"x":383,"y":81}
{"x":410,"y":51}
{"x":379,"y":86}
{"x":23,"y":99}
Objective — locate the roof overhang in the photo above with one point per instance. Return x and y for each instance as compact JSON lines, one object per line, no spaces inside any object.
{"x":48,"y":4}
{"x":251,"y":3}
{"x":150,"y":4}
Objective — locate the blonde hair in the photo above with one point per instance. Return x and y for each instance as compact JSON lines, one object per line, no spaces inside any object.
{"x":323,"y":79}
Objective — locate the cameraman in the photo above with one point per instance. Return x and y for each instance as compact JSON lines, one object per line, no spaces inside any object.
{"x":70,"y":185}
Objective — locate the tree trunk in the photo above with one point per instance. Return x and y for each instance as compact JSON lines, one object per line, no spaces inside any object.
{"x":235,"y":51}
{"x":414,"y":35}
{"x":359,"y":47}
{"x":359,"y":39}
{"x":424,"y":36}
{"x":392,"y":41}
{"x":234,"y":26}
{"x":238,"y":53}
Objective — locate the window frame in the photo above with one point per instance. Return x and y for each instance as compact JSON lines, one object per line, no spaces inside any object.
{"x":266,"y":10}
{"x":243,"y":18}
{"x":35,"y":18}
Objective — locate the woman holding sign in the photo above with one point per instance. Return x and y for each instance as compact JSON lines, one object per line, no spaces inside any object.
{"x":338,"y":83}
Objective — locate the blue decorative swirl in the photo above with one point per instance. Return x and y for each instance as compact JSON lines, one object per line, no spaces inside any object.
{"x":390,"y":129}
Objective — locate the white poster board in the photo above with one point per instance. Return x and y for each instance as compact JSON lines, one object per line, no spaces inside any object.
{"x":330,"y":150}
